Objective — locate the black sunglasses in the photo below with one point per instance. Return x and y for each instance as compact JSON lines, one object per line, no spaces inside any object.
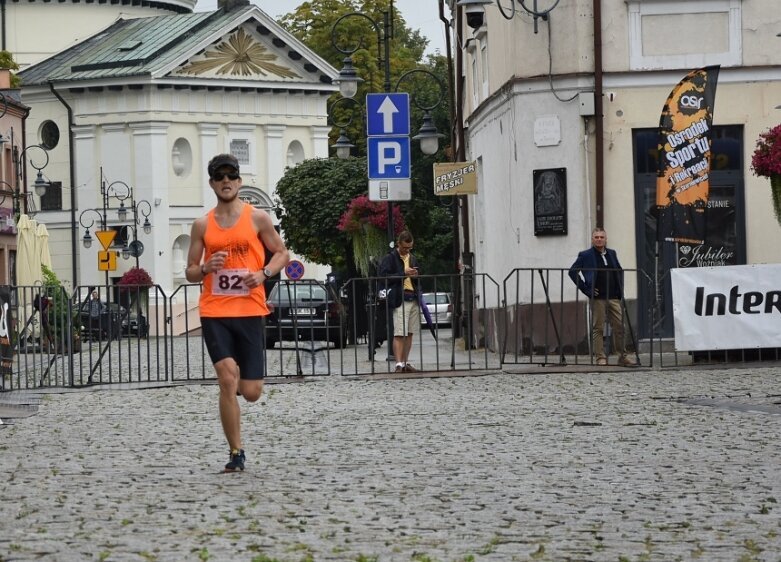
{"x":218,"y":176}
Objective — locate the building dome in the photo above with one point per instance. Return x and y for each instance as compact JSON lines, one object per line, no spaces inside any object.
{"x":33,"y":31}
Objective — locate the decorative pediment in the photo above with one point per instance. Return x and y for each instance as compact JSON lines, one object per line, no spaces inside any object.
{"x":239,"y":55}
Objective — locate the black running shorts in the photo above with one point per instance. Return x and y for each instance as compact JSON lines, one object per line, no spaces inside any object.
{"x":239,"y":338}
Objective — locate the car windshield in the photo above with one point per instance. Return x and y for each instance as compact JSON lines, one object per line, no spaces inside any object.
{"x":299,"y":293}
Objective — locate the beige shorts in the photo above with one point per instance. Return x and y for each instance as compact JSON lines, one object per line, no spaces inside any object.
{"x":406,"y":319}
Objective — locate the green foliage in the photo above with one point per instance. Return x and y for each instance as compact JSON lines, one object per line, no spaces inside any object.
{"x":311,"y":198}
{"x":50,"y":278}
{"x":374,"y":243}
{"x":428,"y":217}
{"x":313,"y":23}
{"x":7,"y":61}
{"x":59,"y":308}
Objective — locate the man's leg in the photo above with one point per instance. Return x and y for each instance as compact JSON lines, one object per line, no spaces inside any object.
{"x":399,"y":328}
{"x":616,"y":319}
{"x":398,"y":348}
{"x":251,"y":390}
{"x":230,"y":413}
{"x":597,"y":328}
{"x":407,"y":346}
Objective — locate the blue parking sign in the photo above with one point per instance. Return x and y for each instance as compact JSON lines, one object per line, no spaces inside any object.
{"x":388,"y":157}
{"x":387,"y":114}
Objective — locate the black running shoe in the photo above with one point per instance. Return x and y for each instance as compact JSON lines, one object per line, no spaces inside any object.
{"x":237,"y":461}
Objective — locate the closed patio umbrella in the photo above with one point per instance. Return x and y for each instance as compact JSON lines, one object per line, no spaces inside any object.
{"x":43,"y":245}
{"x":28,"y":266}
{"x":28,"y":255}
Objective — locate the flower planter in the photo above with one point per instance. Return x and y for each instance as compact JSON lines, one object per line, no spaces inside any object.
{"x":775,"y":190}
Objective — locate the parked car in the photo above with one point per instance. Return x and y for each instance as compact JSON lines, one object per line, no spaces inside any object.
{"x":115,"y":320}
{"x":440,"y":307}
{"x":305,"y":311}
{"x":133,"y":324}
{"x":106,"y":326}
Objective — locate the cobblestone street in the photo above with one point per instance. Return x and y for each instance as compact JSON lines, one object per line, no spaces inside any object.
{"x":620,"y":466}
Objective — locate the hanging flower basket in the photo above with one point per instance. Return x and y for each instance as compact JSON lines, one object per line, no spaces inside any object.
{"x":136,"y":281}
{"x":366,"y":223}
{"x":775,"y":192}
{"x":766,"y":162}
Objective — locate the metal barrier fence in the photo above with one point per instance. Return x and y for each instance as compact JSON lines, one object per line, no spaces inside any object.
{"x":547,"y":320}
{"x":142,"y":335}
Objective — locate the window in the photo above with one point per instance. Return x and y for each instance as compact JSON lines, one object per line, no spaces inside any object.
{"x":661,"y":37}
{"x":727,"y":149}
{"x":50,"y":135}
{"x":52,"y":199}
{"x":240,"y":149}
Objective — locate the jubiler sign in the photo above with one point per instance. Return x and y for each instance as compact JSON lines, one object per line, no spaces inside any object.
{"x":731,"y":307}
{"x":455,"y":178}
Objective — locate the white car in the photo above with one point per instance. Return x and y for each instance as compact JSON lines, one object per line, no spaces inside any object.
{"x":440,"y":307}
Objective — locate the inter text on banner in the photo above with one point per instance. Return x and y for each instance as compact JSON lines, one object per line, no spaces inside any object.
{"x":731,"y":307}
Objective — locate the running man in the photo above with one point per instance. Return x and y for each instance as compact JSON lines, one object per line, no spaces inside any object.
{"x":227,"y":253}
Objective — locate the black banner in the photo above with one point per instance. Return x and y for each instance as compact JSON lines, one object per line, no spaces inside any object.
{"x":685,"y":134}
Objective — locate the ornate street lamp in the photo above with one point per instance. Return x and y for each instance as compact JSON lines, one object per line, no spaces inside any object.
{"x":348,"y":81}
{"x":122,"y":192}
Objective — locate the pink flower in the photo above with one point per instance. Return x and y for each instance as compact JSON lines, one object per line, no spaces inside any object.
{"x":136,"y":277}
{"x":766,"y":160}
{"x":362,"y":212}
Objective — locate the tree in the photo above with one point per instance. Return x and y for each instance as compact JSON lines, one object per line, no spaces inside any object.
{"x":313,"y":22}
{"x":427,"y":216}
{"x":310,"y":199}
{"x":7,"y":61}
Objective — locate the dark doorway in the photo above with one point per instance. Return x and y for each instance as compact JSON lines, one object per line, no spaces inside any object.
{"x":725,"y":225}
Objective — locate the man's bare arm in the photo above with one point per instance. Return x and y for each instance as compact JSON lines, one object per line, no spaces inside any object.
{"x":194,"y":272}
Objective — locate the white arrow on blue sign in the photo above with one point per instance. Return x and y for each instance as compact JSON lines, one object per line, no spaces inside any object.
{"x":387,"y":114}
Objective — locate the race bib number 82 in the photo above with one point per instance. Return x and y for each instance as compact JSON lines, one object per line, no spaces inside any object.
{"x":228,"y":282}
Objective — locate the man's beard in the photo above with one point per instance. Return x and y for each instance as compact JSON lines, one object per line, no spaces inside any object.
{"x":227,"y":198}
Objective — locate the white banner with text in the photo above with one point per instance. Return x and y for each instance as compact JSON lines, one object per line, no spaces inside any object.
{"x":731,"y":307}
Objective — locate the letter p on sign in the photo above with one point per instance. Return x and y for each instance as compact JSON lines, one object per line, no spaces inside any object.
{"x":389,"y":155}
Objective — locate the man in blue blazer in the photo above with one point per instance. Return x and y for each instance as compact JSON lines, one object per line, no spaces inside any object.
{"x":598,"y":274}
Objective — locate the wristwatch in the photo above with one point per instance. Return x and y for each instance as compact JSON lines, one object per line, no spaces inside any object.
{"x":267,"y":273}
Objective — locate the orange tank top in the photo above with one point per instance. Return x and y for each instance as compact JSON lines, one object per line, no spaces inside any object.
{"x":224,"y":295}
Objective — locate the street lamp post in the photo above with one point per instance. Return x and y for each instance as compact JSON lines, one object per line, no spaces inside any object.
{"x":348,"y":81}
{"x":40,"y":185}
{"x":122,"y":192}
{"x":12,"y":193}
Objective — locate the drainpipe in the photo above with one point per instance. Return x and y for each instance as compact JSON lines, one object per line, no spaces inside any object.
{"x":455,"y":140}
{"x":460,"y":156}
{"x":2,"y":23}
{"x":74,"y":272}
{"x":599,"y":144}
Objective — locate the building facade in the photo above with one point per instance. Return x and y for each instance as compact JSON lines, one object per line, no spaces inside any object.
{"x":148,"y":101}
{"x":561,"y":112}
{"x":13,"y":196}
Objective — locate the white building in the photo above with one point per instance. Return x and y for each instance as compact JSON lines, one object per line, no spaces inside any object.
{"x":582,"y":90}
{"x":149,"y":100}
